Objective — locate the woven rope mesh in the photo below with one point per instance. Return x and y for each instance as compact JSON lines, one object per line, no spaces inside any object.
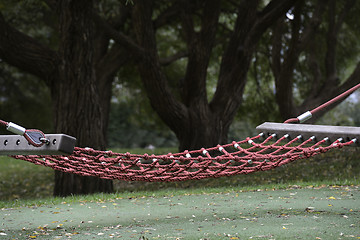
{"x":243,"y":157}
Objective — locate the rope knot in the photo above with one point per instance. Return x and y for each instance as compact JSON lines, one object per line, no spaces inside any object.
{"x":307,"y":153}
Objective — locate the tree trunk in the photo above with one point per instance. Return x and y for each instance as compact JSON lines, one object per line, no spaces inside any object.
{"x":196,"y":122}
{"x":77,"y":110}
{"x":203,"y":130}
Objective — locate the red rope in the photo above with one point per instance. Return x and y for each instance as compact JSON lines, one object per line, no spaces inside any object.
{"x":241,"y":157}
{"x":336,"y":99}
{"x":3,"y":123}
{"x":328,"y":103}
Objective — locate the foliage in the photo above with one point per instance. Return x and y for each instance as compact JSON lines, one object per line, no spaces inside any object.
{"x":130,"y":129}
{"x":32,"y":17}
{"x":24,"y":100}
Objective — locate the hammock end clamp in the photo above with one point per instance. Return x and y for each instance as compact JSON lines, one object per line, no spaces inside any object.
{"x":55,"y":144}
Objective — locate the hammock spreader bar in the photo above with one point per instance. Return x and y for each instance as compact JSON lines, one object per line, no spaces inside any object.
{"x":34,"y":142}
{"x":320,"y":132}
{"x":57,"y":144}
{"x":61,"y":144}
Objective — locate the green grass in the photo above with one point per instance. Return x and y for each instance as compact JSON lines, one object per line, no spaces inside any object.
{"x":294,"y":213}
{"x":104,"y":197}
{"x":263,"y":205}
{"x":23,"y":183}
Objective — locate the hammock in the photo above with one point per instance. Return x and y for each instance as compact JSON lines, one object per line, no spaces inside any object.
{"x":275,"y":145}
{"x":241,"y":157}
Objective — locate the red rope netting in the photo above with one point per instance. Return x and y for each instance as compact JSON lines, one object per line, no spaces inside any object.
{"x":241,"y":157}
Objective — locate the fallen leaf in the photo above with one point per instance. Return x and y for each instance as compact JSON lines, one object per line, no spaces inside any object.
{"x":309,"y":209}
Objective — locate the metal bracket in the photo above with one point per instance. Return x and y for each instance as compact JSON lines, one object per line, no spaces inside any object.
{"x":58,"y":144}
{"x":306,"y":131}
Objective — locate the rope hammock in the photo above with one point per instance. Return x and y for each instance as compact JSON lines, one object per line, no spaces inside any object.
{"x":274,"y":146}
{"x":226,"y":160}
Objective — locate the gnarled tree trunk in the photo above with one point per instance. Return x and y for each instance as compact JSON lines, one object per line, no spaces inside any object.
{"x":196,"y":121}
{"x":76,"y":100}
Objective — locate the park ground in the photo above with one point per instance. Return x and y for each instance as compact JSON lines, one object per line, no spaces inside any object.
{"x":315,"y":198}
{"x":324,"y":212}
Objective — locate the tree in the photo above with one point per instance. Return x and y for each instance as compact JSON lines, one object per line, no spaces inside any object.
{"x":196,"y":121}
{"x":70,"y":75}
{"x":311,"y":41}
{"x":199,"y":121}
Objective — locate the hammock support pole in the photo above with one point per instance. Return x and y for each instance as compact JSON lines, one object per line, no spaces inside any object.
{"x":307,"y":131}
{"x":58,"y":144}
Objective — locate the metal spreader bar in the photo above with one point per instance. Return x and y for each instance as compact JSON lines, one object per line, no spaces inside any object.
{"x":57,"y":144}
{"x":307,"y":131}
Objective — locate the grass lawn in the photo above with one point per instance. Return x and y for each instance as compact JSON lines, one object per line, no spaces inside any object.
{"x":293,"y":213}
{"x":315,"y":198}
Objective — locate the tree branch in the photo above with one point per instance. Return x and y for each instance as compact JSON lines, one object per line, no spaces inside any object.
{"x":314,"y":24}
{"x":311,"y":103}
{"x":268,"y":16}
{"x":235,"y":63}
{"x":119,"y":20}
{"x":284,"y":71}
{"x":118,"y":36}
{"x":335,"y":24}
{"x":250,"y":26}
{"x":168,"y":60}
{"x":187,"y":22}
{"x":314,"y":66}
{"x":199,"y":44}
{"x":51,"y":3}
{"x":324,"y":90}
{"x":173,"y":113}
{"x":169,"y":14}
{"x":352,"y":80}
{"x":111,"y":62}
{"x":26,"y":53}
{"x":276,"y":45}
